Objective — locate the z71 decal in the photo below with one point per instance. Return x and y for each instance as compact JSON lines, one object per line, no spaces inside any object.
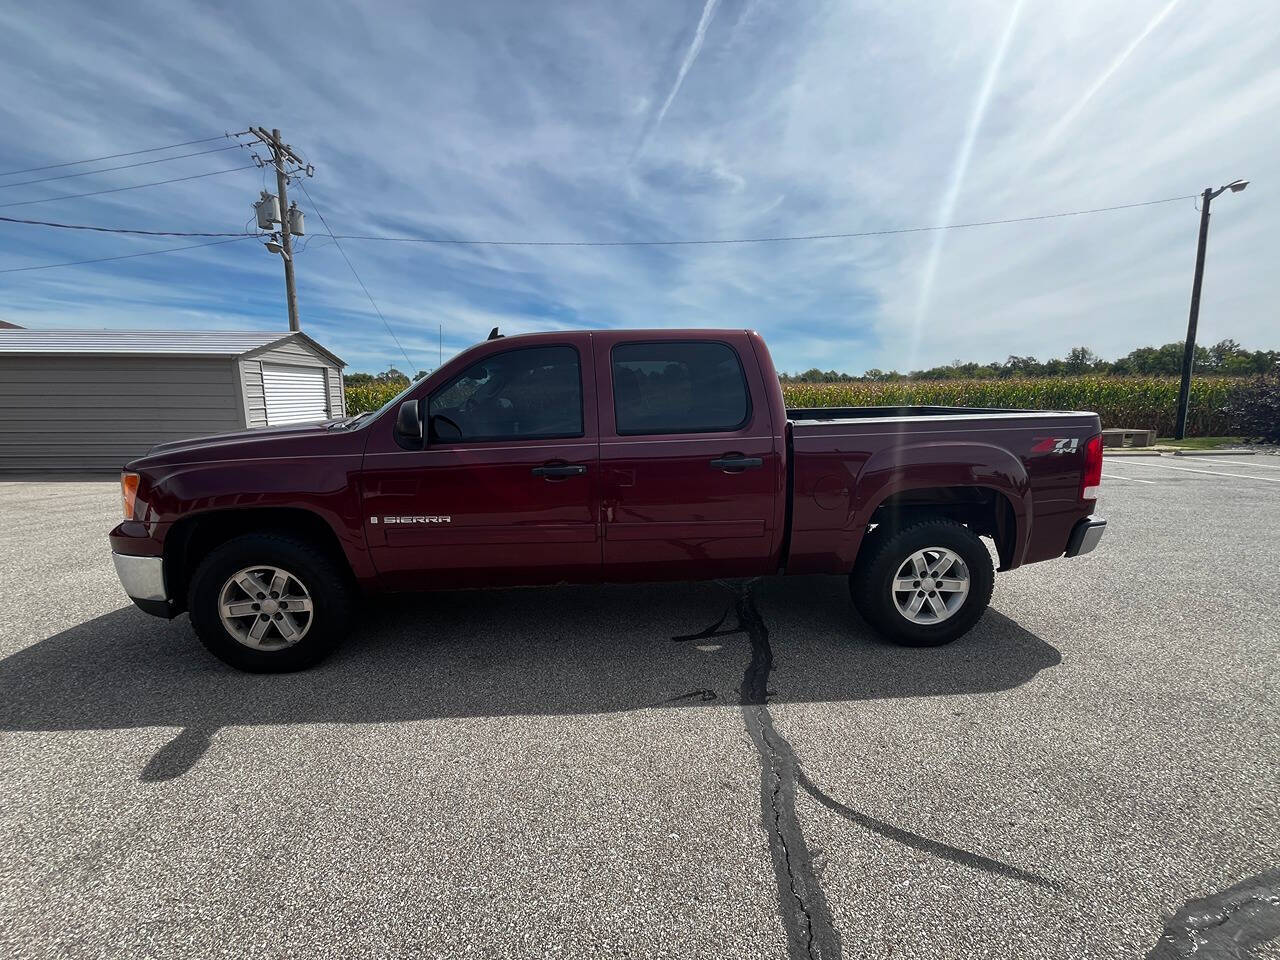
{"x":1056,"y":445}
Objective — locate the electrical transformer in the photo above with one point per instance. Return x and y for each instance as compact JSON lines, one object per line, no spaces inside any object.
{"x":295,"y":221}
{"x":268,"y":210}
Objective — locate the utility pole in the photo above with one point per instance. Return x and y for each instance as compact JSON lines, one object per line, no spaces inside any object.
{"x":1189,"y":352}
{"x":282,"y":154}
{"x":286,"y":239}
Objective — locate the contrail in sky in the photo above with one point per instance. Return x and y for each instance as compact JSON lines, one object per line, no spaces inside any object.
{"x":961,"y":167}
{"x":695,"y":47}
{"x":1069,"y":117}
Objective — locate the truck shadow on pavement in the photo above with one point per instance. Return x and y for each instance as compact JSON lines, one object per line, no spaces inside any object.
{"x":552,"y":651}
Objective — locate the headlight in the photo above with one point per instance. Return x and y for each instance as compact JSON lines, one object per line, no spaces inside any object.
{"x":129,"y":491}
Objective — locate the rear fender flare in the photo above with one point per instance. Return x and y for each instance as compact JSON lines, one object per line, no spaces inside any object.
{"x":943,"y":464}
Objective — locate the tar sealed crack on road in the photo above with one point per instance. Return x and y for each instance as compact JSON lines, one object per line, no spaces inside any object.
{"x":806,"y":917}
{"x":1225,"y":925}
{"x":802,"y":903}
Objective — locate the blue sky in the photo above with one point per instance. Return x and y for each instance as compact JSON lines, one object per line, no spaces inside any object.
{"x":653,"y":121}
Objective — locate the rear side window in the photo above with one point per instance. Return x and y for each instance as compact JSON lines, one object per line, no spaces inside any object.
{"x":522,"y":394}
{"x":684,"y":386}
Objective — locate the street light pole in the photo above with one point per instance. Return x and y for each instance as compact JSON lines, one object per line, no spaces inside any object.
{"x":1189,"y":352}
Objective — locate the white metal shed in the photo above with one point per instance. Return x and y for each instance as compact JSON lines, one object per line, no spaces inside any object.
{"x":91,"y":400}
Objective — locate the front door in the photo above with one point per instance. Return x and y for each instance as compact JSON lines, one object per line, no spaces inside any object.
{"x":689,"y":466}
{"x":504,"y":491}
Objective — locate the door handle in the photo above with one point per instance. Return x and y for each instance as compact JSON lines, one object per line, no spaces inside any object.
{"x":736,"y":463}
{"x":560,"y":471}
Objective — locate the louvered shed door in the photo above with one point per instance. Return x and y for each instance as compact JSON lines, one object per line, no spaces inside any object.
{"x":294,"y":394}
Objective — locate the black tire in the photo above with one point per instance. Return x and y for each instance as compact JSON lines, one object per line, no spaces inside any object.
{"x":871,"y":582}
{"x":323,"y":579}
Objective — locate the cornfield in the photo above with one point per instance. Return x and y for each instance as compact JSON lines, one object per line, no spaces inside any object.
{"x":370,"y":396}
{"x":1143,"y":403}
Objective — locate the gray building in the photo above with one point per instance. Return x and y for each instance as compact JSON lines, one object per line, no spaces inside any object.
{"x":91,"y":400}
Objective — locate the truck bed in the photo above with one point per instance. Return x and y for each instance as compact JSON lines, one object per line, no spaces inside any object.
{"x":846,"y":460}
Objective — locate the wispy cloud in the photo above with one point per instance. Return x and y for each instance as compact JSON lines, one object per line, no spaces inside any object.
{"x":520,"y":122}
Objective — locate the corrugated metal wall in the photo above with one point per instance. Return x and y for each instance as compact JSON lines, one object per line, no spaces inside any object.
{"x":255,"y":400}
{"x":337,"y":396}
{"x":96,"y":413}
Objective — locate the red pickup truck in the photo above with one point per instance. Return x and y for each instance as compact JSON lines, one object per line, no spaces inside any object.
{"x":599,"y":456}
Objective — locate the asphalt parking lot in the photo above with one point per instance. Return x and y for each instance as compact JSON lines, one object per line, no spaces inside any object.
{"x":689,"y":770}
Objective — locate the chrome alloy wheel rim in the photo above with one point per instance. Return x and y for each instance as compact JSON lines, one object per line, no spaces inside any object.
{"x":931,"y":585}
{"x":265,"y":608}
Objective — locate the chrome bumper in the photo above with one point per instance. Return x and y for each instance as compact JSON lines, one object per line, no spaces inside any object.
{"x":1085,"y":536}
{"x":141,"y":577}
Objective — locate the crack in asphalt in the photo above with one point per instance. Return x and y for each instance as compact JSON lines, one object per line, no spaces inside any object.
{"x":806,"y":917}
{"x":805,"y":913}
{"x":1225,"y":925}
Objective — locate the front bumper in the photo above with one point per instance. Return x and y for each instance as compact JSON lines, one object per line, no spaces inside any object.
{"x":143,"y":580}
{"x":1085,"y":536}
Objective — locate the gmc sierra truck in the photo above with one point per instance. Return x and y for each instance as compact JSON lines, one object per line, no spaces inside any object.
{"x":584,"y":457}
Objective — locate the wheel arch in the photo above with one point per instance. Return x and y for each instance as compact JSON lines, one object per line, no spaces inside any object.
{"x":986,"y":510}
{"x":982,"y":485}
{"x":192,"y":537}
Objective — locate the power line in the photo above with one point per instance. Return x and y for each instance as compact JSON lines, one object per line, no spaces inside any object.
{"x":123,"y":166}
{"x":814,"y":236}
{"x":145,"y":233}
{"x":136,"y":186}
{"x":126,"y":256}
{"x":824,"y":236}
{"x":325,"y":224}
{"x":113,"y":156}
{"x":577,"y":243}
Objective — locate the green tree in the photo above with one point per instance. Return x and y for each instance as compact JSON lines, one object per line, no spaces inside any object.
{"x":1081,"y":360}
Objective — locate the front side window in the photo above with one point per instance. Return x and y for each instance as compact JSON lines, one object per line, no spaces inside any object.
{"x":678,"y":387}
{"x":523,"y":394}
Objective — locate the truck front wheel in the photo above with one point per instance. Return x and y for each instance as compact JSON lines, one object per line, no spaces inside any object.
{"x":269,"y":603}
{"x":924,"y":585}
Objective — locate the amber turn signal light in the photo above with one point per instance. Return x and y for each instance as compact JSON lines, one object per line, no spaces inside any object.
{"x":129,"y":490}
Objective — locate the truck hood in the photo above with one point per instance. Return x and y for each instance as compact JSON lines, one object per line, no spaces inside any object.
{"x":257,"y":433}
{"x":263,"y":443}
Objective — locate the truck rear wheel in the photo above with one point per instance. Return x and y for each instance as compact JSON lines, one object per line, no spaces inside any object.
{"x":924,"y":585}
{"x":269,"y":603}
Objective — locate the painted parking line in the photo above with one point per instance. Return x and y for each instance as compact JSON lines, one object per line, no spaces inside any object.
{"x":1213,"y":473}
{"x":1233,"y":462}
{"x":1112,"y":476}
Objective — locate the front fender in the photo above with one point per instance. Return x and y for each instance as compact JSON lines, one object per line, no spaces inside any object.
{"x":325,"y":486}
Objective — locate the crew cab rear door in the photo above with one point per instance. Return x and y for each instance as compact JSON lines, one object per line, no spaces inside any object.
{"x":504,"y":490}
{"x":689,"y":467}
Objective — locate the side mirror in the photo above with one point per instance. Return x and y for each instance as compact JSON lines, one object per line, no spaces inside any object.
{"x":409,"y":424}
